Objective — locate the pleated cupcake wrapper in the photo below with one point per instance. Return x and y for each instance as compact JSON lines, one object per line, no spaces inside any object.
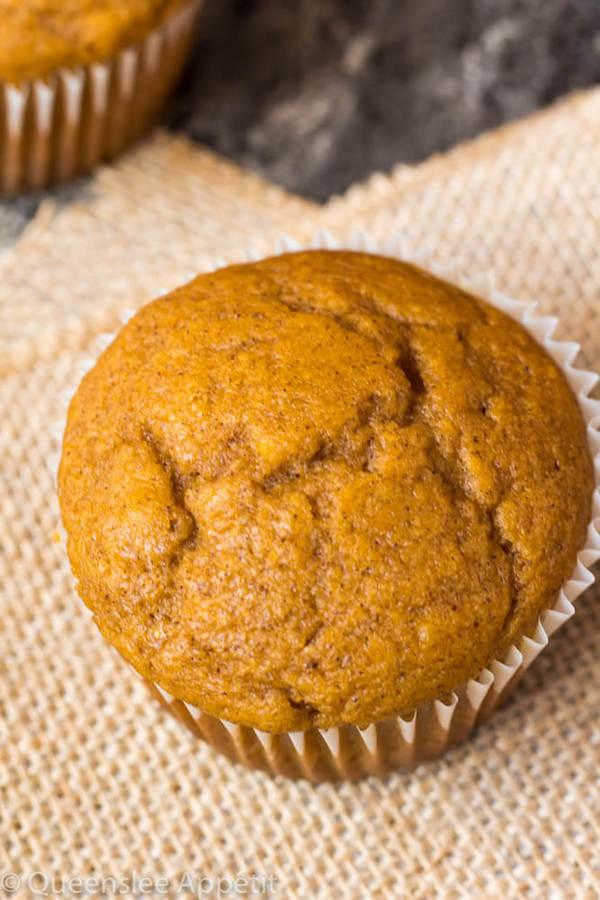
{"x":348,"y":752}
{"x":56,"y":128}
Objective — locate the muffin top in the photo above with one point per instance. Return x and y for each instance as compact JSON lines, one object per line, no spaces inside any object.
{"x":39,"y":36}
{"x":321,"y":488}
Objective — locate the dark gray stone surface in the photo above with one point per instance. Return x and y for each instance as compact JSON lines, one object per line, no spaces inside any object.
{"x":316,"y":94}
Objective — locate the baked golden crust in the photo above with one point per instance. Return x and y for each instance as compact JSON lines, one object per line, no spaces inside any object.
{"x":321,"y":488}
{"x":39,"y":36}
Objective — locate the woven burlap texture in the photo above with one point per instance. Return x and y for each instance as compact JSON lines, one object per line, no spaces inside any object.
{"x":95,"y":778}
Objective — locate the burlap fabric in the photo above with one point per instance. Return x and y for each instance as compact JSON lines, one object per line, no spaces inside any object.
{"x":94,"y":778}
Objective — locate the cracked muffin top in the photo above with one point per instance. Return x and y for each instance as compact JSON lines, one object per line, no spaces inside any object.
{"x":39,"y":36}
{"x":321,"y":488}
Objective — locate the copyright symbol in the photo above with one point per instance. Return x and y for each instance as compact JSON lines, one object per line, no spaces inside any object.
{"x":9,"y":882}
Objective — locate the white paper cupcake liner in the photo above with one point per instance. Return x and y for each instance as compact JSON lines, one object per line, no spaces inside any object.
{"x":53,"y":129}
{"x":348,"y":752}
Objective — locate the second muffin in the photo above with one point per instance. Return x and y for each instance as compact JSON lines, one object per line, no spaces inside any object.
{"x":80,"y":80}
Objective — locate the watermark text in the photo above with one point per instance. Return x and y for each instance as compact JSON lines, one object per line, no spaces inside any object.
{"x":190,"y":884}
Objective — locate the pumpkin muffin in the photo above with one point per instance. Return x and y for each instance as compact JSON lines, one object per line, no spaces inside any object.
{"x":319,"y":489}
{"x":82,"y":79}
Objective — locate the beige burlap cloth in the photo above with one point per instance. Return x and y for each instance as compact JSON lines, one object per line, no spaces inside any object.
{"x":94,"y":778}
